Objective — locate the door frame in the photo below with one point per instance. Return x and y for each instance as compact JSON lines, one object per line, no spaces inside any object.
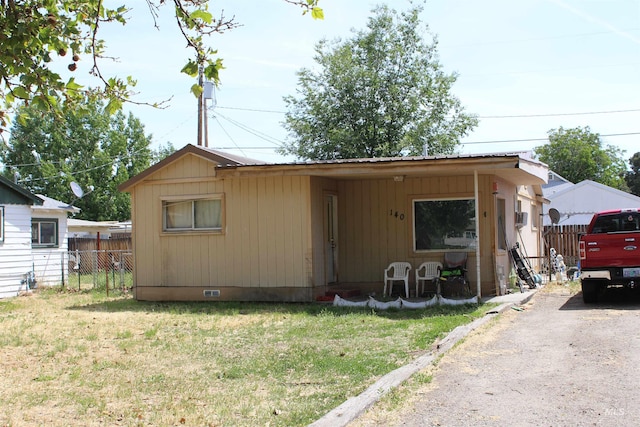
{"x":330,"y":236}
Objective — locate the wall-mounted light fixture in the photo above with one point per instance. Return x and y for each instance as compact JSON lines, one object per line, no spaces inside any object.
{"x":398,"y":178}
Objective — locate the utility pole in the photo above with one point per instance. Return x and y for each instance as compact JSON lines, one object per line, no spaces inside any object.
{"x":200,"y":107}
{"x":203,"y":119}
{"x":207,"y":93}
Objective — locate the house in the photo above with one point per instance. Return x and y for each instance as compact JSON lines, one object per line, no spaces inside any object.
{"x":80,"y":228}
{"x":578,"y":202}
{"x":555,"y":183}
{"x":211,"y":226}
{"x":33,"y":239}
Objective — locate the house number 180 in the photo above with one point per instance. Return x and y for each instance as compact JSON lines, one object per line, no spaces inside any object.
{"x":396,"y":214}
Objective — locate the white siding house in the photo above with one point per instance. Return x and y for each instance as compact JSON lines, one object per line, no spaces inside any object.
{"x":33,"y":240}
{"x":49,"y":255}
{"x":578,"y":202}
{"x":15,"y":249}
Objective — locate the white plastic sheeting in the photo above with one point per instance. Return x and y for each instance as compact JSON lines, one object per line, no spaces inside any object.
{"x":402,"y":303}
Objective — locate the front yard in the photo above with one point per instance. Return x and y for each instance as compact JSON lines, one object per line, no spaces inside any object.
{"x":81,"y":358}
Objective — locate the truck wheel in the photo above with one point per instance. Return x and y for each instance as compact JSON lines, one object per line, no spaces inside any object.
{"x":590,"y":290}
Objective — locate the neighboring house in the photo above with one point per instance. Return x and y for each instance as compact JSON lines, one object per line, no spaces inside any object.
{"x":98,"y":235}
{"x":555,"y":184}
{"x":99,"y":245}
{"x":211,"y":226}
{"x":33,"y":241}
{"x":578,"y":202}
{"x":80,"y":228}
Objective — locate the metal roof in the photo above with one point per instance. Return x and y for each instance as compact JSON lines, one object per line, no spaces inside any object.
{"x":518,"y":167}
{"x":52,"y":204}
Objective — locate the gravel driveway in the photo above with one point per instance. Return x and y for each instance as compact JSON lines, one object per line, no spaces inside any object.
{"x":558,"y":362}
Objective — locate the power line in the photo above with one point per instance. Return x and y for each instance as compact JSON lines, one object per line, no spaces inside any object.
{"x":512,"y":116}
{"x":256,"y":110}
{"x":119,"y":159}
{"x":229,"y":136}
{"x":541,"y":139}
{"x":111,"y":162}
{"x":464,"y":143}
{"x":586,"y":113}
{"x":252,"y":131}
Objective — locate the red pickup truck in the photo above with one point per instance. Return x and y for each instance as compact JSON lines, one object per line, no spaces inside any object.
{"x":610,"y":252}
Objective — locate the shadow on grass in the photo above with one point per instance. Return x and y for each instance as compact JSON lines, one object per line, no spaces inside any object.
{"x":125,"y":303}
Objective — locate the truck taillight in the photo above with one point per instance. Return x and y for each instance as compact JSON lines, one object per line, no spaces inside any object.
{"x":583,"y":251}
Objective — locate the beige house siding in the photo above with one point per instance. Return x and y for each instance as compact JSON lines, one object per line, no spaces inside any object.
{"x":264,"y":242}
{"x":273,"y":243}
{"x":376,"y":223}
{"x":274,"y":232}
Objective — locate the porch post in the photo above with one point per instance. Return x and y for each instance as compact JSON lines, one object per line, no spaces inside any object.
{"x":477,"y":204}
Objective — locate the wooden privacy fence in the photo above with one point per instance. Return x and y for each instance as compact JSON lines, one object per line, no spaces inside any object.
{"x":87,"y":246}
{"x":91,"y":244}
{"x":564,"y":239}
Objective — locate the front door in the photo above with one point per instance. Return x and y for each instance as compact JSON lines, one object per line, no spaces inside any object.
{"x":331,"y":238}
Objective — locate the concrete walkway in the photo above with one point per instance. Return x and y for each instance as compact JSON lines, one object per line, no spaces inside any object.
{"x":357,"y":405}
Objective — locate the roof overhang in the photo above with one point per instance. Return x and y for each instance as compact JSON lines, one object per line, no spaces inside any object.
{"x":514,"y":168}
{"x":215,"y":156}
{"x":22,"y":192}
{"x":518,"y":168}
{"x":83,"y":226}
{"x":49,"y":205}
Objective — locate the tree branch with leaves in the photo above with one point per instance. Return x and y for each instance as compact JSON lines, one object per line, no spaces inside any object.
{"x":33,"y":33}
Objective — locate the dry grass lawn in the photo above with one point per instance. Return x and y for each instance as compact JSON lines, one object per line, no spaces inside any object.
{"x":86,"y":359}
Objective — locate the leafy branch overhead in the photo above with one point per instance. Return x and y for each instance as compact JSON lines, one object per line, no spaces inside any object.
{"x":34,"y":35}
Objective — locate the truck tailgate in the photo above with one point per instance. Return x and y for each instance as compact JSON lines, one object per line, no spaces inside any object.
{"x":612,"y":250}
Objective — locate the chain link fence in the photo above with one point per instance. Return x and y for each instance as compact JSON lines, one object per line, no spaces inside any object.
{"x":103,"y":269}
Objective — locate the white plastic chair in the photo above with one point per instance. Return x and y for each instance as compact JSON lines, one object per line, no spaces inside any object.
{"x":432,"y":271}
{"x":397,"y":271}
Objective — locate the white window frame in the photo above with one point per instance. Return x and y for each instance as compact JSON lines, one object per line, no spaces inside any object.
{"x":1,"y":224}
{"x":193,"y":228}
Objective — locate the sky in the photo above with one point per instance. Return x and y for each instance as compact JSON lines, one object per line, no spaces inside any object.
{"x":524,"y":68}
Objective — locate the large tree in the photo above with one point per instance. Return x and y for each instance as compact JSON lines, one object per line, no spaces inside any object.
{"x":98,"y":151}
{"x":162,"y":152}
{"x":33,"y":33}
{"x":380,"y":93}
{"x":632,"y":178}
{"x":578,"y":154}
